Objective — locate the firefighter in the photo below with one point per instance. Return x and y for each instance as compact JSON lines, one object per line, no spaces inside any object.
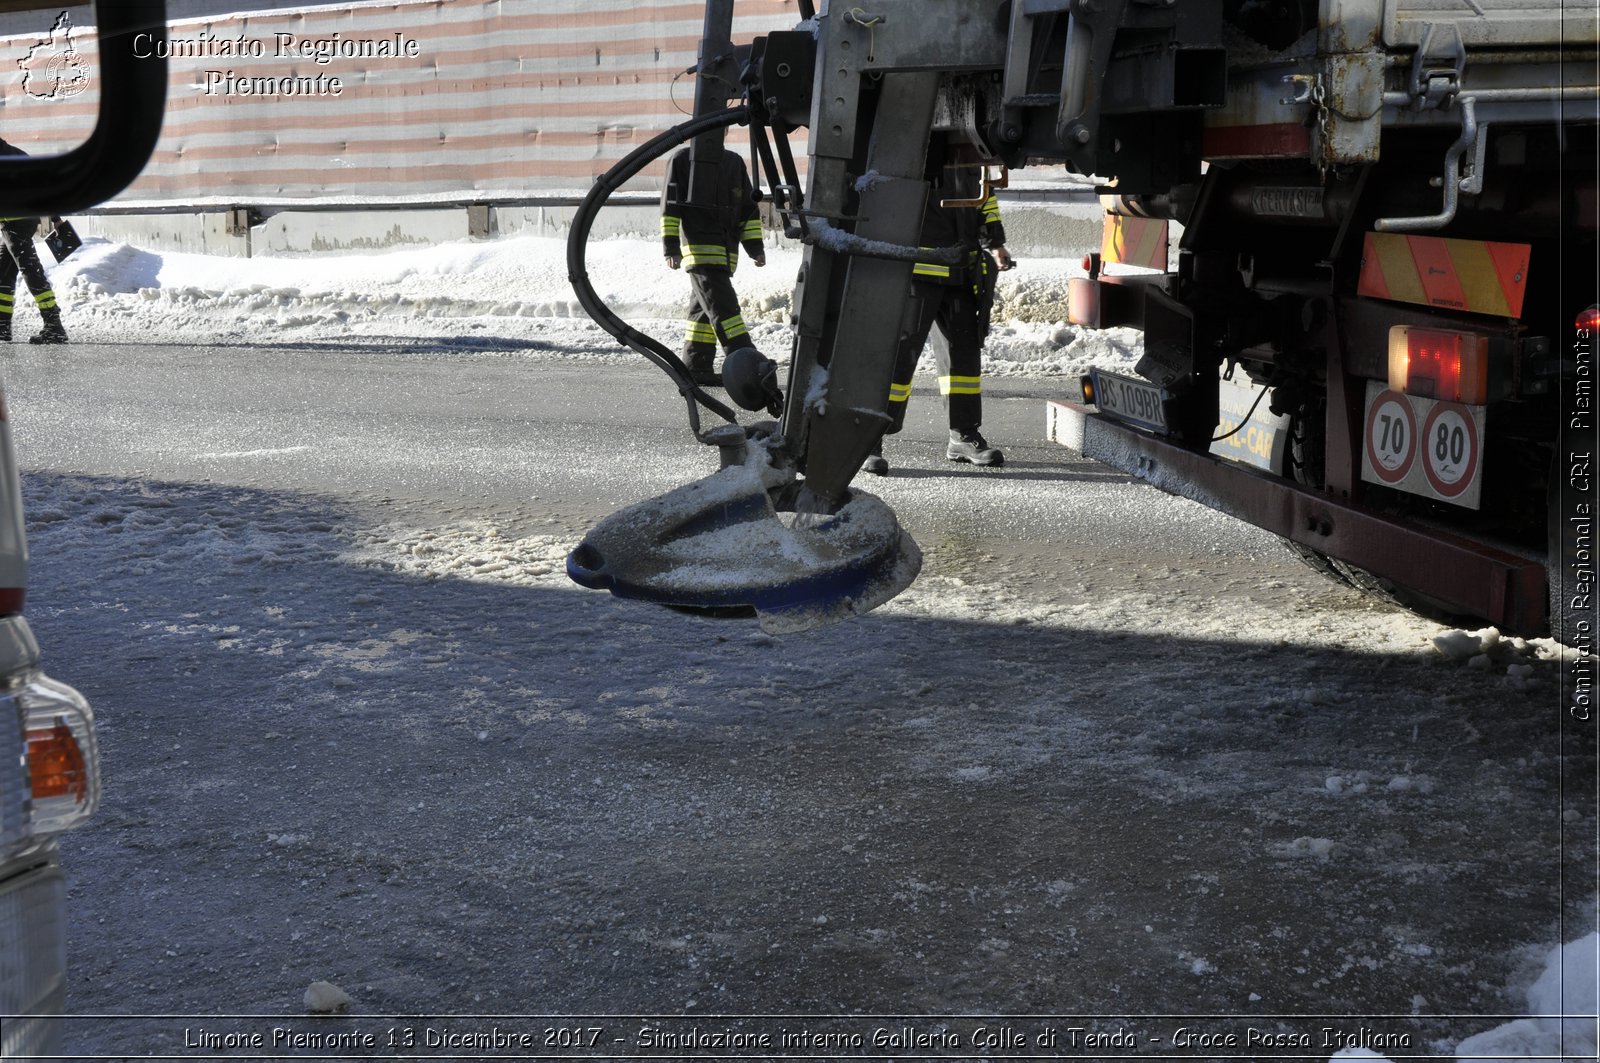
{"x":958,"y":299}
{"x":704,"y":241}
{"x":16,"y":236}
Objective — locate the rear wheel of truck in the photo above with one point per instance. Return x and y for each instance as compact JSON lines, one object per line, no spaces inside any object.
{"x":1303,"y":465}
{"x":1570,"y":564}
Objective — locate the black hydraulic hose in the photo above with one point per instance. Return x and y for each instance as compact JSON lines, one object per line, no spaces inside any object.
{"x":578,"y":242}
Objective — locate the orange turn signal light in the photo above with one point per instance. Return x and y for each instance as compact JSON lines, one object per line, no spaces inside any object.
{"x":57,"y":764}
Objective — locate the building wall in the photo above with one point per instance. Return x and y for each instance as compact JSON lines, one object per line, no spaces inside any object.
{"x":483,"y":96}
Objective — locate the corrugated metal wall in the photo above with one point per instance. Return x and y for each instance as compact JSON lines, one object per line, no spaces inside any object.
{"x":501,"y":96}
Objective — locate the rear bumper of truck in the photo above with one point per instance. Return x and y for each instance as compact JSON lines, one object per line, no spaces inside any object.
{"x":1505,"y":588}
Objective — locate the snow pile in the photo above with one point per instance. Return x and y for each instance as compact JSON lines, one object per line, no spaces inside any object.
{"x":1488,"y":650}
{"x":508,"y":294}
{"x":1565,"y":1001}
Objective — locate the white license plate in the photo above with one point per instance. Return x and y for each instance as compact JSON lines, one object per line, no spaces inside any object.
{"x":1128,"y":399}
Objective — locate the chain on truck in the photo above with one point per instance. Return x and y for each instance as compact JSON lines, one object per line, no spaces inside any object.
{"x":1374,"y":342}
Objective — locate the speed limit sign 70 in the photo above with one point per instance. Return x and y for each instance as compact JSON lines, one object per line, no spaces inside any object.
{"x":1391,"y":437}
{"x":1423,"y":446}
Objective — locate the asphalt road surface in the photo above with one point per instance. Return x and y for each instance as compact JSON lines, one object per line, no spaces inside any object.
{"x":1113,"y":758}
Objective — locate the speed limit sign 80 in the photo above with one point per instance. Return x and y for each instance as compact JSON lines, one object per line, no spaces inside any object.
{"x":1449,"y":449}
{"x":1423,"y":446}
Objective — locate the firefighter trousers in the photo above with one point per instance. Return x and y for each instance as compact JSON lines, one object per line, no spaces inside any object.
{"x":713,"y":316}
{"x":19,"y":255}
{"x":958,"y":349}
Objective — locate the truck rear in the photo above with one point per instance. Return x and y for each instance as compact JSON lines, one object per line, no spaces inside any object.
{"x":1388,"y":262}
{"x":1375,"y":337}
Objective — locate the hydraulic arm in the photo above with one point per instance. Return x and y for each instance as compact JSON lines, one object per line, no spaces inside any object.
{"x":1362,"y":185}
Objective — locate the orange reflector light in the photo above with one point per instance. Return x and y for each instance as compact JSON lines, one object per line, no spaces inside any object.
{"x":63,"y":758}
{"x":1087,"y":383}
{"x":56,"y":763}
{"x":1437,"y":364}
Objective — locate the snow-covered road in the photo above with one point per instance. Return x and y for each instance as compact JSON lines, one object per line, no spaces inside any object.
{"x":1110,"y":755}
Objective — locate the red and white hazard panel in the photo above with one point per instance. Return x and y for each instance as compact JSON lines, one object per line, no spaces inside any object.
{"x":1478,"y":276}
{"x":1134,"y":242}
{"x":1423,"y":446}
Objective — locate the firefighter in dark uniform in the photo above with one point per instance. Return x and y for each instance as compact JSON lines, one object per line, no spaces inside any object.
{"x":705,"y":242}
{"x":958,"y":299}
{"x":18,"y":255}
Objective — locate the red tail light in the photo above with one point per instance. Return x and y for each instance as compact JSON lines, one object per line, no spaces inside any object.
{"x":1589,"y":320}
{"x":1439,"y":364}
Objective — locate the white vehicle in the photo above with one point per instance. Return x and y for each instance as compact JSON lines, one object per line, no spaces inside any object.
{"x":49,"y":762}
{"x":49,"y":782}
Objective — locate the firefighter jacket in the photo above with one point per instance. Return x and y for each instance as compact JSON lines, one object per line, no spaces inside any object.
{"x":708,"y":237}
{"x":8,"y":148}
{"x":972,"y":228}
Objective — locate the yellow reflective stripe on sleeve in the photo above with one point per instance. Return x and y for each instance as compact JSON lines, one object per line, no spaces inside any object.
{"x":929,"y":269}
{"x":960,"y":385}
{"x":752,"y":229}
{"x":734,"y":326}
{"x":991,"y":209}
{"x":705,"y":255}
{"x":899,"y":392}
{"x":670,"y":225}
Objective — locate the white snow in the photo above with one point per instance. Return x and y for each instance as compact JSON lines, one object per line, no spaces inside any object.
{"x":504,"y":294}
{"x":1563,"y":1001}
{"x":325,"y":998}
{"x":1487,"y":650}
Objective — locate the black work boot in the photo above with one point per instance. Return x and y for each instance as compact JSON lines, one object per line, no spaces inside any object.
{"x":876,"y":463}
{"x":5,"y":328}
{"x":53,"y":332}
{"x":701,"y":371}
{"x":972,"y":447}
